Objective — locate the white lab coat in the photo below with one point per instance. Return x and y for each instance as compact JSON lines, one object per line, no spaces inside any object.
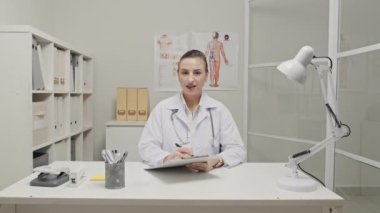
{"x":159,"y":137}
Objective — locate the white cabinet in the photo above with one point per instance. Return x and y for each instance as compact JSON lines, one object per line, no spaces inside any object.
{"x":46,"y":106}
{"x":124,"y":136}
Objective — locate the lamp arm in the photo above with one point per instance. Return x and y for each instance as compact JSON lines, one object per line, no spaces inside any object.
{"x":299,"y":157}
{"x":325,"y":57}
{"x":339,"y":130}
{"x":332,"y":115}
{"x":336,"y":134}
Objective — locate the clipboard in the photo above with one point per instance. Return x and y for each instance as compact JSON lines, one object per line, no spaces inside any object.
{"x":183,"y":162}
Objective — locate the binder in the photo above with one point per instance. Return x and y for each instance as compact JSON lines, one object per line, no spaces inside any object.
{"x":77,"y":113}
{"x":142,"y":104}
{"x":60,"y":116}
{"x":65,"y":70}
{"x":37,"y":78}
{"x":72,"y":113}
{"x":42,"y":64}
{"x":77,"y":80}
{"x":121,"y":104}
{"x":132,"y":104}
{"x":85,"y":68}
{"x":72,"y":72}
{"x":56,"y":69}
{"x":62,"y":69}
{"x":56,"y":117}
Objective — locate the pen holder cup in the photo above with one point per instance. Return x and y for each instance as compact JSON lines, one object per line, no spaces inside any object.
{"x":115,"y":175}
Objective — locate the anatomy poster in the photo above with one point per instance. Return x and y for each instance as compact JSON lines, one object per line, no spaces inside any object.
{"x":220,"y":48}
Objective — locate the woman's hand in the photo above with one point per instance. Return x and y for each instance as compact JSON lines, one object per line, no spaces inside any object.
{"x":207,"y":166}
{"x":173,"y":156}
{"x":182,"y":152}
{"x":185,"y":152}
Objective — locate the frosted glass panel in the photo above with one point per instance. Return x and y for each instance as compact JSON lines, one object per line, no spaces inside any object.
{"x":359,"y":102}
{"x":279,"y":28}
{"x":359,"y":185}
{"x":282,"y":107}
{"x":359,"y":23}
{"x":264,"y":149}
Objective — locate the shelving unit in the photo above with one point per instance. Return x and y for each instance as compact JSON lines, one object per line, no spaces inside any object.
{"x":55,"y":117}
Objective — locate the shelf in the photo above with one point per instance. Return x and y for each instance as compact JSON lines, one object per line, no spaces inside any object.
{"x":42,"y":91}
{"x":48,"y":143}
{"x":61,"y":92}
{"x":40,"y":102}
{"x":42,"y":145}
{"x":125,"y":123}
{"x":75,"y":93}
{"x":75,"y":133}
{"x":61,"y":138}
{"x":85,"y":129}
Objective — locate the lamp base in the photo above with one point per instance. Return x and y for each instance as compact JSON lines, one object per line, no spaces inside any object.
{"x":297,"y":184}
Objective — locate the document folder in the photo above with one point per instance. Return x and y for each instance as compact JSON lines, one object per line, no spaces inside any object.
{"x":37,"y":68}
{"x":121,"y":104}
{"x":142,"y":104}
{"x":60,"y":120}
{"x":132,"y":104}
{"x":56,"y":69}
{"x":183,"y":162}
{"x":56,"y":117}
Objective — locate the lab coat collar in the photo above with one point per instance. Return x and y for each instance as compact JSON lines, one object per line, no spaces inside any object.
{"x":179,"y":103}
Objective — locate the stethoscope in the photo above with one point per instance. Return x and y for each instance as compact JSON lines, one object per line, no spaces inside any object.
{"x":183,"y":142}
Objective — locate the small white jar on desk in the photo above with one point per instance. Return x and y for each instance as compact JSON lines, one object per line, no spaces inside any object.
{"x":124,"y":136}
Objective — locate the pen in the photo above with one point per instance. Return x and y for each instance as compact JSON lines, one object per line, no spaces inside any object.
{"x":123,"y":157}
{"x":106,"y":157}
{"x":110,"y":155}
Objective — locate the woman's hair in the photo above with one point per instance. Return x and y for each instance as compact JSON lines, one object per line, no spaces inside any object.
{"x":194,"y":54}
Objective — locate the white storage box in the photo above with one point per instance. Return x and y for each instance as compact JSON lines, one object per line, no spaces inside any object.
{"x":40,"y":124}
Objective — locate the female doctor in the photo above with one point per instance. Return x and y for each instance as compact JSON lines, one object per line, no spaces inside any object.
{"x":191,"y":123}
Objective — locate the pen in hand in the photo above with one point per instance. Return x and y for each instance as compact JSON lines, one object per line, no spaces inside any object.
{"x":184,"y":152}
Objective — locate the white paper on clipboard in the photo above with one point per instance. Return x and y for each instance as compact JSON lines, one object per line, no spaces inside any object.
{"x":183,"y":162}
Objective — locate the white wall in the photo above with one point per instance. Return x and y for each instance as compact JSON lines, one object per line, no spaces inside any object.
{"x":119,"y":35}
{"x":38,"y":13}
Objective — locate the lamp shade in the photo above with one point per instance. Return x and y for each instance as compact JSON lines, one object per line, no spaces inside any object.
{"x":295,"y":69}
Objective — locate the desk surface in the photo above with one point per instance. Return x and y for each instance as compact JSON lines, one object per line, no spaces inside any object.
{"x":249,"y":184}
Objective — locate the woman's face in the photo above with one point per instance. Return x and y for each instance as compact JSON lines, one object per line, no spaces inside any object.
{"x":192,"y":76}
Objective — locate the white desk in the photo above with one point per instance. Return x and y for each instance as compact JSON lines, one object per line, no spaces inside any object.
{"x":250,"y":187}
{"x":123,"y":136}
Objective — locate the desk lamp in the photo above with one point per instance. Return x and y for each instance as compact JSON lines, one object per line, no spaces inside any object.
{"x":295,"y":70}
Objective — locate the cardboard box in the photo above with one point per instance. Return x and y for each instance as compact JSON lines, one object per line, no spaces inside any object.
{"x":142,"y":104}
{"x":40,"y":124}
{"x":132,"y":104}
{"x":121,"y":104}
